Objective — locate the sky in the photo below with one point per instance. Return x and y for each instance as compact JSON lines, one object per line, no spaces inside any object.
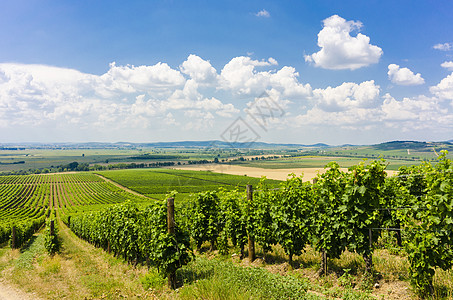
{"x":335,"y":72}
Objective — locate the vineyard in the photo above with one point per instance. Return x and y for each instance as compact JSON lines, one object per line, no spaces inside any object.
{"x":157,"y":183}
{"x":25,"y":201}
{"x":339,"y":211}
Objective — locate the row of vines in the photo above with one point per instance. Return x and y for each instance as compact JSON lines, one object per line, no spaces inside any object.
{"x":137,"y":235}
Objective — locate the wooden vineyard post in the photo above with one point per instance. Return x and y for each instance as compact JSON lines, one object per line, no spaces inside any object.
{"x":13,"y":237}
{"x":52,"y":227}
{"x":171,"y":230}
{"x":324,"y":261}
{"x":369,"y":257}
{"x":251,"y":239}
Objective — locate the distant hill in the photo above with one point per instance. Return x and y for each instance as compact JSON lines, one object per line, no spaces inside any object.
{"x":392,"y":145}
{"x":413,"y":145}
{"x":223,"y":144}
{"x":180,"y":144}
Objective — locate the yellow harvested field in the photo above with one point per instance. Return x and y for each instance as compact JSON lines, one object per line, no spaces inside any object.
{"x":278,"y":174}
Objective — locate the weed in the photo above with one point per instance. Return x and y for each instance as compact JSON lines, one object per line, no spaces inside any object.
{"x":153,"y":280}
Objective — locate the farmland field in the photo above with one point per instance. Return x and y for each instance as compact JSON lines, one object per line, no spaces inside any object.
{"x":159,"y":182}
{"x":318,"y":162}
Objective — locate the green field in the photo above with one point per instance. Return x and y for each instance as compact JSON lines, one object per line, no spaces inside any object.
{"x":318,"y":162}
{"x":39,"y":159}
{"x":157,"y":183}
{"x":47,"y":158}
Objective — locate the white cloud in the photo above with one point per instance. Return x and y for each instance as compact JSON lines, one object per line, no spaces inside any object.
{"x":411,"y":114}
{"x":263,"y":13}
{"x":145,"y":100}
{"x":199,"y":69}
{"x":286,"y":80}
{"x":340,"y":50}
{"x":358,"y":118}
{"x":170,"y":120}
{"x":406,"y":115}
{"x":447,"y":65}
{"x":198,"y":120}
{"x":124,"y":97}
{"x":410,"y":109}
{"x":131,"y":79}
{"x":444,"y":89}
{"x":241,"y":77}
{"x":347,"y":106}
{"x":272,"y":61}
{"x":404,"y":76}
{"x":347,"y":96}
{"x":443,"y":47}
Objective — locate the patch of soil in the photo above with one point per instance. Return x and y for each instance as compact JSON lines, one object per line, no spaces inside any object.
{"x":8,"y":292}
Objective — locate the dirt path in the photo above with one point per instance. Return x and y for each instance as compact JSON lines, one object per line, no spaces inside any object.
{"x":7,"y":292}
{"x":123,"y":187}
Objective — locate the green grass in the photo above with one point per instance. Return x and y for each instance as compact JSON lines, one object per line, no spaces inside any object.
{"x":34,"y":248}
{"x":215,"y":279}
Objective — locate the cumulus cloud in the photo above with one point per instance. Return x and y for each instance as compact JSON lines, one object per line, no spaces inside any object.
{"x":195,"y":96}
{"x":358,"y":118}
{"x":347,"y":96}
{"x":286,"y":80}
{"x":263,"y":13}
{"x":125,"y":96}
{"x":352,"y":106}
{"x":444,"y":89}
{"x":132,"y":79}
{"x":415,"y":113}
{"x":340,"y":50}
{"x":199,"y":120}
{"x":409,"y":109}
{"x":404,"y":76}
{"x":198,"y":69}
{"x":347,"y":106}
{"x":443,"y":47}
{"x":240,"y":76}
{"x":446,"y":64}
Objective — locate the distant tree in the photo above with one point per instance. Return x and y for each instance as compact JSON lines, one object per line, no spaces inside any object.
{"x":72,"y":166}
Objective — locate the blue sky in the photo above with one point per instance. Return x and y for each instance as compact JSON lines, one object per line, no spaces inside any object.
{"x":342,"y":72}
